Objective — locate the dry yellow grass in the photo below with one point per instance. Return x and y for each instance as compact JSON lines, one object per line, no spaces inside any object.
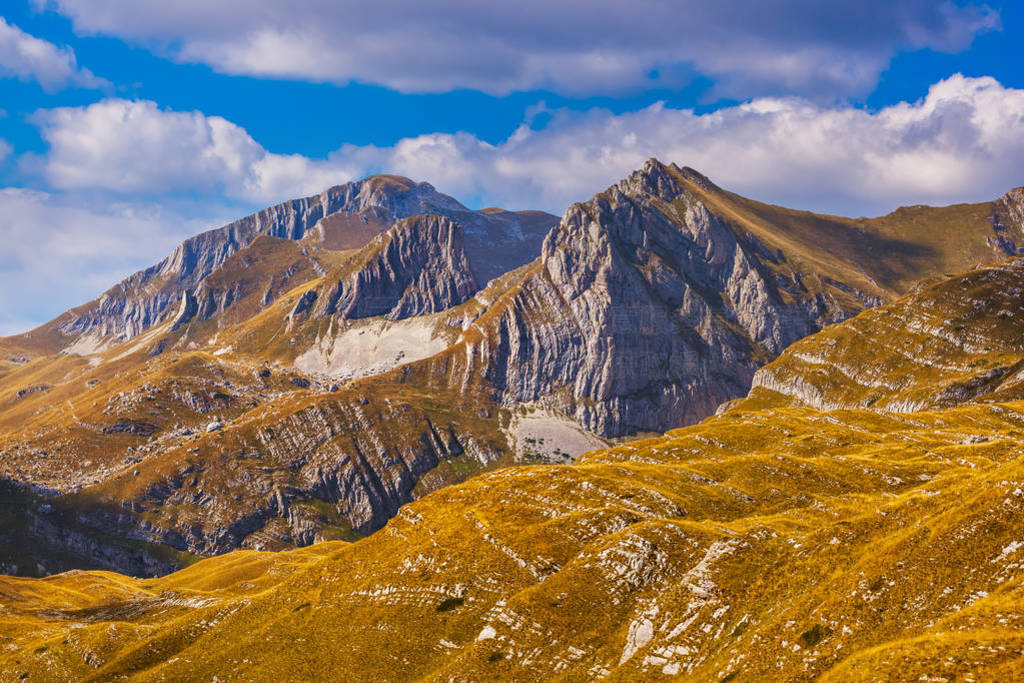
{"x":778,"y":544}
{"x":960,"y":339}
{"x":770,"y":542}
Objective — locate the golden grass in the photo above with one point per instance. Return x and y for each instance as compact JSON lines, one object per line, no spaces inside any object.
{"x":790,"y":543}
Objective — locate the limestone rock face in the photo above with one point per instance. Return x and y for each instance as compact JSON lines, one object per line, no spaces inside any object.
{"x":419,"y":266}
{"x":363,"y":459}
{"x":647,"y":310}
{"x":346,"y":216}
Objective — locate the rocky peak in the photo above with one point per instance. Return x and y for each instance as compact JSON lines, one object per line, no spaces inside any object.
{"x":398,"y":197}
{"x":497,"y":242}
{"x":632,"y":231}
{"x":666,"y":181}
{"x":418,"y":266}
{"x":392,"y":197}
{"x":650,"y":309}
{"x":653,"y":178}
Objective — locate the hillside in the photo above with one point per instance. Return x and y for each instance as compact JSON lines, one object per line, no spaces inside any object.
{"x":955,"y":341}
{"x":301,"y":374}
{"x":772,"y":540}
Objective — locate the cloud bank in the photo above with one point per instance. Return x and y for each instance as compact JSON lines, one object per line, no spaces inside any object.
{"x":136,"y":148}
{"x":821,"y":50}
{"x":62,"y":250}
{"x":963,"y":141}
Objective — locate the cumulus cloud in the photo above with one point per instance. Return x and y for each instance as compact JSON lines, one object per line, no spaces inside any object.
{"x":28,"y":58}
{"x":138,"y":148}
{"x":816,"y":49}
{"x":963,"y":141}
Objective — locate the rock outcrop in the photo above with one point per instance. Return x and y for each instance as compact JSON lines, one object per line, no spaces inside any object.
{"x":417,"y":267}
{"x":645,"y":310}
{"x":324,"y":466}
{"x":346,"y":216}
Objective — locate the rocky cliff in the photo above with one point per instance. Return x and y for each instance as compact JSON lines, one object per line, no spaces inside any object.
{"x":342,"y":217}
{"x":648,"y":309}
{"x":417,"y":267}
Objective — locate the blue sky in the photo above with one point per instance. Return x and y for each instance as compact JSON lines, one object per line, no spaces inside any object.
{"x":126,"y":126}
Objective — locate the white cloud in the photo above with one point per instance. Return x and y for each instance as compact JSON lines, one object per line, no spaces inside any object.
{"x":963,"y":141}
{"x":60,"y":250}
{"x":28,"y":58}
{"x":818,"y":49}
{"x":138,"y":148}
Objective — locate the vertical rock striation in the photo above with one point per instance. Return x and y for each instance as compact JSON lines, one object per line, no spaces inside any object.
{"x":646,"y":310}
{"x":417,"y":267}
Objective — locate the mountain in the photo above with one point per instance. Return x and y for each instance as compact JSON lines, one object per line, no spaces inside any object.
{"x":658,"y":299}
{"x":294,"y":378}
{"x":774,"y":540}
{"x":341,"y":218}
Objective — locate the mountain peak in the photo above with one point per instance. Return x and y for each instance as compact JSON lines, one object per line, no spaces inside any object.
{"x":653,"y":178}
{"x":389,"y":180}
{"x":397,"y":195}
{"x":342,"y":217}
{"x":657,"y":178}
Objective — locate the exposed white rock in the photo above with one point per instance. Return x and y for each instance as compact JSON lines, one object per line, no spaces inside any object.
{"x":366,"y":347}
{"x":538,"y":432}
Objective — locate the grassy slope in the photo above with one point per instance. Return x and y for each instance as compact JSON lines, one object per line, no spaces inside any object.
{"x":883,"y":255}
{"x":768,"y":542}
{"x":956,"y":340}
